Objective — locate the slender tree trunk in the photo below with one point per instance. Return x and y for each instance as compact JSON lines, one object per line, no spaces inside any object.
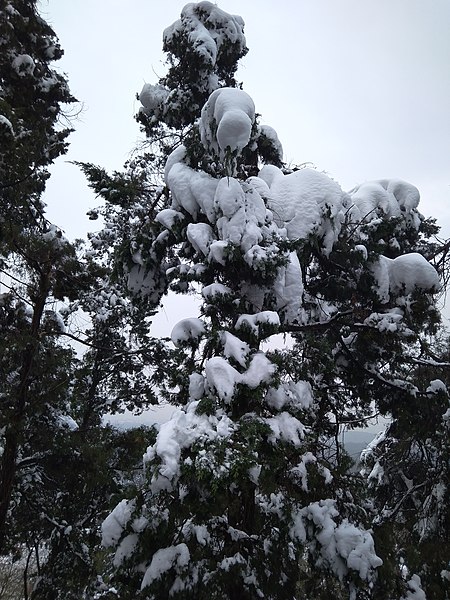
{"x":15,"y":430}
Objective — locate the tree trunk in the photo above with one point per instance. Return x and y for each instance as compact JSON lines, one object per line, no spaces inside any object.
{"x":15,"y":429}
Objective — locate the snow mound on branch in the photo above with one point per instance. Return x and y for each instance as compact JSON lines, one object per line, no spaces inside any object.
{"x":169,"y":217}
{"x":185,"y":428}
{"x":285,"y":427}
{"x":343,"y":547}
{"x":211,"y":29}
{"x":306,"y":202}
{"x":385,"y":197}
{"x":271,"y":135}
{"x":116,"y":521}
{"x":243,"y":213}
{"x":165,"y":559}
{"x":191,"y":190}
{"x":226,"y":120}
{"x":234,"y":348}
{"x":295,"y":394}
{"x":252,"y":322}
{"x":288,"y":288}
{"x":415,"y":591}
{"x":223,"y":378}
{"x":403,"y":275}
{"x":6,"y":124}
{"x":212,"y":291}
{"x":187,"y":330}
{"x":23,"y":65}
{"x":201,"y":236}
{"x":152,"y":98}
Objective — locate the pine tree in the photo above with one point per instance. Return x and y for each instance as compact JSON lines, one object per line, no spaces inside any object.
{"x":243,"y":497}
{"x":408,"y":473}
{"x":59,"y":467}
{"x":248,"y":491}
{"x":35,"y":258}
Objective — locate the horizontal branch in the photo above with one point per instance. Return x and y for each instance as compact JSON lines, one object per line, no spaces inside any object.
{"x":316,"y":325}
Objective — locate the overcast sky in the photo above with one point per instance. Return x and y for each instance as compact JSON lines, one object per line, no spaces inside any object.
{"x":361,"y":88}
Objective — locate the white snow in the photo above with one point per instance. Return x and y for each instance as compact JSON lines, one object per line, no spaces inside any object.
{"x":67,"y":422}
{"x":357,"y":547}
{"x":217,"y":252}
{"x":165,"y":559}
{"x":201,"y":236}
{"x":6,"y":123}
{"x":169,"y":217}
{"x":252,"y":322}
{"x":187,"y":330}
{"x":184,"y":428}
{"x":226,"y":120}
{"x":437,"y":386}
{"x":306,"y":202}
{"x":243,"y":213}
{"x":116,"y":521}
{"x":415,"y":591}
{"x":23,"y":65}
{"x":234,"y":130}
{"x":196,"y":386}
{"x":385,"y":197}
{"x":260,"y":371}
{"x":285,"y":427}
{"x":403,"y":275}
{"x":192,"y":190}
{"x":288,"y":288}
{"x":343,"y":546}
{"x":301,"y":471}
{"x":295,"y":394}
{"x":152,"y":98}
{"x":222,"y":377}
{"x":209,"y":292}
{"x":412,"y":271}
{"x":271,"y":134}
{"x":125,"y":548}
{"x":234,"y":348}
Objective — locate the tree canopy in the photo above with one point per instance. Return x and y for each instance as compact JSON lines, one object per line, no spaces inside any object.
{"x":317,"y":311}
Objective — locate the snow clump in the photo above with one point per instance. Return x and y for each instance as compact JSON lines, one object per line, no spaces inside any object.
{"x":403,"y":275}
{"x":226,"y":121}
{"x":385,"y":197}
{"x":306,"y":202}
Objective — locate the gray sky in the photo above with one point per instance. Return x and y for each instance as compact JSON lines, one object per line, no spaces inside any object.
{"x":360,"y":88}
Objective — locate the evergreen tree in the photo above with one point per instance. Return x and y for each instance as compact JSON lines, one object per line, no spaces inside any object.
{"x":35,"y":259}
{"x":408,"y":474}
{"x":247,"y":490}
{"x":245,"y":495}
{"x":59,"y":466}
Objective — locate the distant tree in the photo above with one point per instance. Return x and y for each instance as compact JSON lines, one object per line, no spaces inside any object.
{"x":408,"y":475}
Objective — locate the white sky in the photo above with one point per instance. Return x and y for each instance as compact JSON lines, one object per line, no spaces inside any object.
{"x":360,"y":88}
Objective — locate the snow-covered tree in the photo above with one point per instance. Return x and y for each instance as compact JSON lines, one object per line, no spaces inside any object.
{"x":58,"y":468}
{"x":407,"y":467}
{"x":35,"y":259}
{"x":247,"y":490}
